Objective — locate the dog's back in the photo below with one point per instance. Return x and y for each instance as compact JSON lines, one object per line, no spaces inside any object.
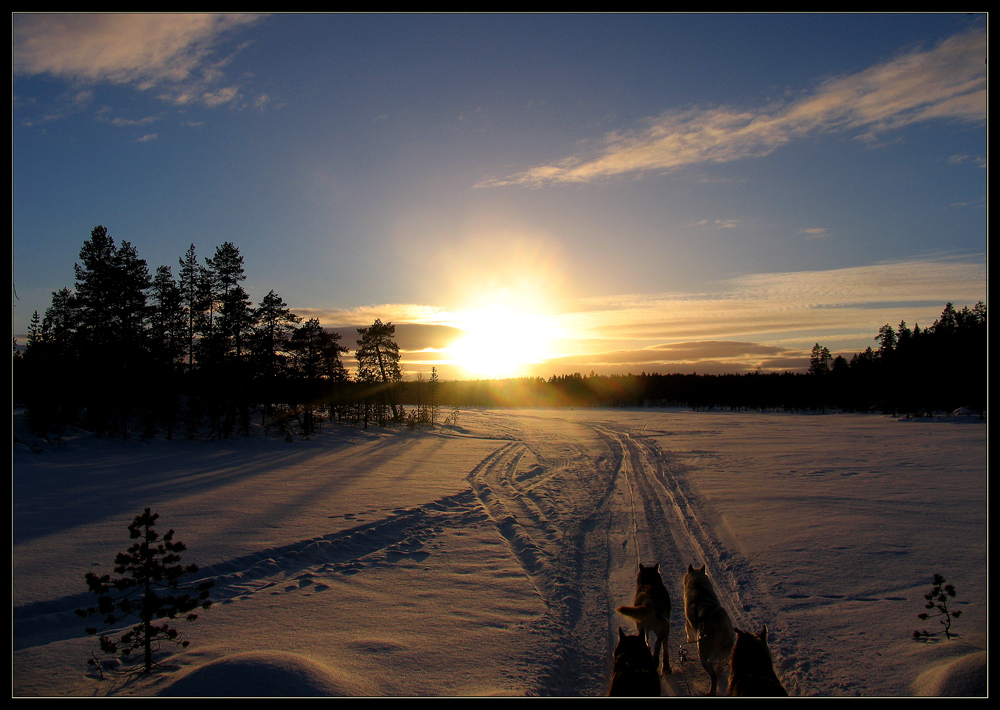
{"x":634,"y":672}
{"x":701,"y":603}
{"x":751,"y":668}
{"x":648,"y":580}
{"x":651,"y":596}
{"x":651,"y":609}
{"x":707,"y":622}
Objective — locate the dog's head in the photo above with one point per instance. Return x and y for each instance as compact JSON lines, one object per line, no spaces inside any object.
{"x":629,"y":645}
{"x":648,"y":574}
{"x":695,"y":572}
{"x":751,"y":650}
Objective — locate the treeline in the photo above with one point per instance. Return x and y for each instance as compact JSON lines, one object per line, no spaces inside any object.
{"x":912,"y":371}
{"x":129,"y":353}
{"x":125,"y":352}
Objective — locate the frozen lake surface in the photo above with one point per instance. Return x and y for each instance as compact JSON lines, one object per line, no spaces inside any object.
{"x":488,"y":558}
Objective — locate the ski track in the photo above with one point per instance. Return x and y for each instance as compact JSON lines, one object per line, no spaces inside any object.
{"x":402,"y":534}
{"x":579,"y":551}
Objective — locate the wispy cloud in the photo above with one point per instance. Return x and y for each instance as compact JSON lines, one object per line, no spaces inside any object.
{"x":131,"y":122}
{"x":814,"y":232}
{"x":847,"y":304}
{"x":386,"y":312}
{"x":963,"y":158}
{"x":717,"y":223}
{"x":946,"y":82}
{"x":170,"y":52}
{"x":766,"y":321}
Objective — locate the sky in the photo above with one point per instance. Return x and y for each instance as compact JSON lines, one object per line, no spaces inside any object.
{"x":522,"y":195}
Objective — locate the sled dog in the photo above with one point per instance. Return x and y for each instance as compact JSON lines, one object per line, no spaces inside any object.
{"x":634,"y":672}
{"x":707,"y":622}
{"x":751,"y":669}
{"x":651,"y":610}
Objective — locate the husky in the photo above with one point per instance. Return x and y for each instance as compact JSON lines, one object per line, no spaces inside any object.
{"x":634,"y":673}
{"x":751,"y":669}
{"x":651,"y":610}
{"x":707,"y":622}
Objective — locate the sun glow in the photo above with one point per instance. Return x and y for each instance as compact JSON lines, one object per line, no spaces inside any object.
{"x":500,"y":341}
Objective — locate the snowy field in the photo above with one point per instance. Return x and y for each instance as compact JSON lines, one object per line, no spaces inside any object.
{"x":488,"y":558}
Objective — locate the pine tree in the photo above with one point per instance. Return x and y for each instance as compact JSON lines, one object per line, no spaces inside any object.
{"x":147,"y":592}
{"x":59,"y":324}
{"x":937,"y":599}
{"x":192,"y":300}
{"x":435,"y":407}
{"x":887,"y":340}
{"x":95,"y":283}
{"x":275,"y":323}
{"x":128,"y":304}
{"x":167,"y":319}
{"x":34,"y":330}
{"x":167,"y":346}
{"x":819,"y":360}
{"x":230,"y":301}
{"x":238,"y":320}
{"x":378,"y":361}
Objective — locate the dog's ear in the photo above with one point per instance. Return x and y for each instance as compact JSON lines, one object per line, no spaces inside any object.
{"x":763,"y":633}
{"x":656,"y":566}
{"x":738,"y":632}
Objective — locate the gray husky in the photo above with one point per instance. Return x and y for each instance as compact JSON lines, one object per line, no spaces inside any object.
{"x":651,"y":610}
{"x":707,"y":622}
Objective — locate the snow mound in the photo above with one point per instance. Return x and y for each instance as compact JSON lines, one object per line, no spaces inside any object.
{"x":963,"y":677}
{"x":259,"y":673}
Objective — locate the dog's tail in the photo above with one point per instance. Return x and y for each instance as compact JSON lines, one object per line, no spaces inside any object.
{"x":635,"y":612}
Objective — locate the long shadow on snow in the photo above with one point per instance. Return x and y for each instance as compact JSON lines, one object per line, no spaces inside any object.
{"x":400,"y":534}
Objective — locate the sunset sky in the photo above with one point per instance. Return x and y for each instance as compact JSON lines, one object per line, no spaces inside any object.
{"x":523,"y":194}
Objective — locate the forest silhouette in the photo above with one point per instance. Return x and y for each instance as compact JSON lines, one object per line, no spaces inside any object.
{"x":128,"y":353}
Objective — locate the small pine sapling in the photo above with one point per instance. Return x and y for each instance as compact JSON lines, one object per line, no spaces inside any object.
{"x":147,"y":591}
{"x":937,"y":599}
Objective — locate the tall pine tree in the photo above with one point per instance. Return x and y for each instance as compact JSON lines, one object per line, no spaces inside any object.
{"x":378,"y":362}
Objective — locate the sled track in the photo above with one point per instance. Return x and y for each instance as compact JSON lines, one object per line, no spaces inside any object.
{"x":556,"y":538}
{"x":669,"y":501}
{"x":670,"y":525}
{"x":505,"y":493}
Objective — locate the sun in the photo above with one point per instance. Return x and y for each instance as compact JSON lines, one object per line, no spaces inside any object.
{"x":500,"y":341}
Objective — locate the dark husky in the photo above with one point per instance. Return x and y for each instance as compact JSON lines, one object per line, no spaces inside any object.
{"x":751,"y":669}
{"x":635,"y":670}
{"x":651,"y":610}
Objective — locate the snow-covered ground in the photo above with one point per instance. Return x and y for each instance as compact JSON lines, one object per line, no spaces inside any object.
{"x":488,"y":558}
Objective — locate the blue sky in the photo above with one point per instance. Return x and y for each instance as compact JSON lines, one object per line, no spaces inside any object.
{"x":608,"y":193}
